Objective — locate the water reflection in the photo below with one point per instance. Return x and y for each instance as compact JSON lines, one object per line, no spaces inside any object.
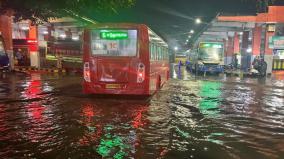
{"x":193,"y":118}
{"x":211,"y":96}
{"x":111,"y":128}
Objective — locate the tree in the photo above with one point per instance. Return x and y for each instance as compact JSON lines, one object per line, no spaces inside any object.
{"x":262,"y":5}
{"x":41,"y":10}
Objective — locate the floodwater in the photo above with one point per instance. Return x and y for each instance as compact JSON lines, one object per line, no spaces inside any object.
{"x":213,"y":117}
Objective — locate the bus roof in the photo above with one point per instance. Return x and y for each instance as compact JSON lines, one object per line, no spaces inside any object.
{"x":153,"y":37}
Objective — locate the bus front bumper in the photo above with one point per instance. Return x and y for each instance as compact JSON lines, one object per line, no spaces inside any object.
{"x":211,"y":68}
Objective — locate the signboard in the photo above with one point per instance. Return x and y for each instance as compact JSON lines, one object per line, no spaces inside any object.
{"x":211,"y":45}
{"x":114,"y":35}
{"x":276,"y":42}
{"x":271,"y":28}
{"x":32,"y":44}
{"x":280,"y":54}
{"x":112,"y":46}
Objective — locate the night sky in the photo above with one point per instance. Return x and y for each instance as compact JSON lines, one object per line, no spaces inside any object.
{"x":172,"y":19}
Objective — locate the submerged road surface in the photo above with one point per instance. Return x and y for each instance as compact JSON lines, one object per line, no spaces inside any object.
{"x":47,"y":116}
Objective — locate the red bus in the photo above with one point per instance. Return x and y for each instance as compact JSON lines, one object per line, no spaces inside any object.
{"x":124,"y":59}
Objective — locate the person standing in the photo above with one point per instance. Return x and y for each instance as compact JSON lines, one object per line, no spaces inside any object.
{"x":19,"y":57}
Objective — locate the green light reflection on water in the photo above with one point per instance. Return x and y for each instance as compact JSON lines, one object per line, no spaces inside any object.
{"x":112,"y":145}
{"x":211,"y":94}
{"x":209,"y":106}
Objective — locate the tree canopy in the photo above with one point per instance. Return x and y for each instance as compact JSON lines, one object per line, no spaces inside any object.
{"x":262,"y":5}
{"x":42,"y":10}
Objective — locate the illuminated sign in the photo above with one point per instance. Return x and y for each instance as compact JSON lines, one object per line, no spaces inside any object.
{"x":114,"y":35}
{"x":32,"y":41}
{"x":211,"y":45}
{"x":271,"y":28}
{"x":276,"y":42}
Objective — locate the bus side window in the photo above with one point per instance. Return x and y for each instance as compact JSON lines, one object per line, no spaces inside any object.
{"x":167,"y":53}
{"x":156,"y":52}
{"x":151,"y":51}
{"x":160,"y":53}
{"x":163,"y":53}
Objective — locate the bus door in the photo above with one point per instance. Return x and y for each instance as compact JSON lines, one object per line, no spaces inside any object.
{"x":114,"y":55}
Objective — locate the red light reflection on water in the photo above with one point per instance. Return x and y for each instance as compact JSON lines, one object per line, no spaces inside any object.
{"x":35,"y":110}
{"x":33,"y":90}
{"x":94,"y":129}
{"x":34,"y":87}
{"x":88,"y":112}
{"x":39,"y":124}
{"x":98,"y":116}
{"x":137,"y":120}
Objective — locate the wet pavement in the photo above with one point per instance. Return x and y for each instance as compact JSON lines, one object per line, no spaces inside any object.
{"x":214,"y":117}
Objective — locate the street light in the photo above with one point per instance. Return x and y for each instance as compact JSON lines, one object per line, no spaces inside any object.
{"x":45,"y":32}
{"x":63,"y":36}
{"x":189,"y":36}
{"x":191,"y":31}
{"x":25,"y":28}
{"x":249,"y":50}
{"x":198,"y":21}
{"x":176,"y":48}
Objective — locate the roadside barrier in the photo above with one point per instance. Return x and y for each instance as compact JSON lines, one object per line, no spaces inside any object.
{"x":33,"y":69}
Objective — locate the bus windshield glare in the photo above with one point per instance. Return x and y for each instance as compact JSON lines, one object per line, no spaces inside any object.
{"x":114,"y":42}
{"x":210,"y":52}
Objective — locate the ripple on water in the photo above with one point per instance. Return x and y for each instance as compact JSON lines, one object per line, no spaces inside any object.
{"x":187,"y":119}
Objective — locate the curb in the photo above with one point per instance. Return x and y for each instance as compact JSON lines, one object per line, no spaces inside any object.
{"x":237,"y":74}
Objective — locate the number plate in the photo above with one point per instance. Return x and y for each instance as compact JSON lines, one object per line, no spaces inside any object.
{"x":112,"y":86}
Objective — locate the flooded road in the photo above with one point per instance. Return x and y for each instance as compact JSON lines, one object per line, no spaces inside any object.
{"x":214,"y":117}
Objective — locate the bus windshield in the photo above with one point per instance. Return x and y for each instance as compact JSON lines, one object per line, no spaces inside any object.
{"x":114,"y":42}
{"x":2,"y":51}
{"x":214,"y":52}
{"x":210,"y":54}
